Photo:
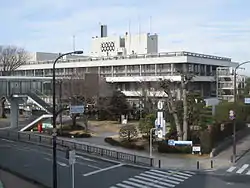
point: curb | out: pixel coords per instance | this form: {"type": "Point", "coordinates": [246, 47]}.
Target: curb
{"type": "Point", "coordinates": [242, 155]}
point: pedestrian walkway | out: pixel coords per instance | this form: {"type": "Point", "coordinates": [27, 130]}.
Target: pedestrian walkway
{"type": "Point", "coordinates": [243, 169]}
{"type": "Point", "coordinates": [156, 178]}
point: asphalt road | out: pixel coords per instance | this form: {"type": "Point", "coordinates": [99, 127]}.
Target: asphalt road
{"type": "Point", "coordinates": [35, 162]}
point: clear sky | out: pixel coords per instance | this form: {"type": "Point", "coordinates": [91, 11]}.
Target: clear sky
{"type": "Point", "coordinates": [219, 27]}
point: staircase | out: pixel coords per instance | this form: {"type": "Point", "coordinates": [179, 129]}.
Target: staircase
{"type": "Point", "coordinates": [40, 102]}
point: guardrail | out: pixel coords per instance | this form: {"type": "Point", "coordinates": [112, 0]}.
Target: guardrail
{"type": "Point", "coordinates": [91, 149]}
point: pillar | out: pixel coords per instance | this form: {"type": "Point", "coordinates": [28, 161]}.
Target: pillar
{"type": "Point", "coordinates": [14, 112]}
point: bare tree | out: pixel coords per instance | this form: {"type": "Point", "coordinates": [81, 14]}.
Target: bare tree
{"type": "Point", "coordinates": [185, 79]}
{"type": "Point", "coordinates": [172, 106]}
{"type": "Point", "coordinates": [11, 58]}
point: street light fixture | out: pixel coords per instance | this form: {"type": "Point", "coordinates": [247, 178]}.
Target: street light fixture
{"type": "Point", "coordinates": [54, 115]}
{"type": "Point", "coordinates": [235, 98]}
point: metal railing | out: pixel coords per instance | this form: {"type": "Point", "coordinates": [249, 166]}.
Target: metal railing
{"type": "Point", "coordinates": [90, 149]}
{"type": "Point", "coordinates": [136, 56]}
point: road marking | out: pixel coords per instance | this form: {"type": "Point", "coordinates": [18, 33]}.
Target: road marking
{"type": "Point", "coordinates": [134, 184]}
{"type": "Point", "coordinates": [58, 162]}
{"type": "Point", "coordinates": [124, 186]}
{"type": "Point", "coordinates": [248, 173]}
{"type": "Point", "coordinates": [244, 167]}
{"type": "Point", "coordinates": [103, 169]}
{"type": "Point", "coordinates": [231, 169]}
{"type": "Point", "coordinates": [159, 181]}
{"type": "Point", "coordinates": [86, 159]}
{"type": "Point", "coordinates": [11, 141]}
{"type": "Point", "coordinates": [164, 178]}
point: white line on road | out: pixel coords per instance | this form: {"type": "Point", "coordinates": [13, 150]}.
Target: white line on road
{"type": "Point", "coordinates": [103, 169]}
{"type": "Point", "coordinates": [58, 162]}
{"type": "Point", "coordinates": [231, 169]}
{"type": "Point", "coordinates": [248, 173]}
{"type": "Point", "coordinates": [244, 167]}
{"type": "Point", "coordinates": [84, 158]}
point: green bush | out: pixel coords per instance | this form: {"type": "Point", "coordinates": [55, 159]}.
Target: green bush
{"type": "Point", "coordinates": [163, 147]}
{"type": "Point", "coordinates": [205, 142]}
{"type": "Point", "coordinates": [125, 144]}
{"type": "Point", "coordinates": [147, 123]}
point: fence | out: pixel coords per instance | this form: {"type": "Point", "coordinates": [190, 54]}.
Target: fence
{"type": "Point", "coordinates": [91, 149]}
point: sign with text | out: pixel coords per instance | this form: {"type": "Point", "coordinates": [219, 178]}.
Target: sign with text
{"type": "Point", "coordinates": [76, 109]}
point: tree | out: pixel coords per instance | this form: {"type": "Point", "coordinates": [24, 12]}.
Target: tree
{"type": "Point", "coordinates": [128, 132]}
{"type": "Point", "coordinates": [185, 79]}
{"type": "Point", "coordinates": [172, 105]}
{"type": "Point", "coordinates": [11, 58]}
{"type": "Point", "coordinates": [147, 123]}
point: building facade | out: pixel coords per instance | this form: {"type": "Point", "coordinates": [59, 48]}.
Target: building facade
{"type": "Point", "coordinates": [225, 83]}
{"type": "Point", "coordinates": [133, 64]}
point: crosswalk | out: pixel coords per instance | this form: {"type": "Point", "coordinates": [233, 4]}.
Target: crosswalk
{"type": "Point", "coordinates": [243, 169]}
{"type": "Point", "coordinates": [155, 179]}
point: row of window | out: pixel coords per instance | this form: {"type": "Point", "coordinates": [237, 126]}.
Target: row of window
{"type": "Point", "coordinates": [129, 70]}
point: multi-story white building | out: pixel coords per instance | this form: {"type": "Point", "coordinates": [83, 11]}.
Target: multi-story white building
{"type": "Point", "coordinates": [225, 83]}
{"type": "Point", "coordinates": [131, 62]}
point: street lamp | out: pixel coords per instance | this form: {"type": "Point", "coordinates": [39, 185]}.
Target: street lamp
{"type": "Point", "coordinates": [54, 116]}
{"type": "Point", "coordinates": [235, 98]}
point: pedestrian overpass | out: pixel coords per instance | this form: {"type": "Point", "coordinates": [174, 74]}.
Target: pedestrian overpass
{"type": "Point", "coordinates": [17, 90]}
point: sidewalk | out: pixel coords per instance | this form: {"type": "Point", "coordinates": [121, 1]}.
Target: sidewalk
{"type": "Point", "coordinates": [242, 147]}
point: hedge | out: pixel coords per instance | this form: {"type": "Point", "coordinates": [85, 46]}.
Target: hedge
{"type": "Point", "coordinates": [76, 135]}
{"type": "Point", "coordinates": [125, 144]}
{"type": "Point", "coordinates": [163, 147]}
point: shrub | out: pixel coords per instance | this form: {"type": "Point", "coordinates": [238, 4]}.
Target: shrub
{"type": "Point", "coordinates": [76, 134]}
{"type": "Point", "coordinates": [125, 144]}
{"type": "Point", "coordinates": [128, 132]}
{"type": "Point", "coordinates": [163, 147]}
{"type": "Point", "coordinates": [147, 123]}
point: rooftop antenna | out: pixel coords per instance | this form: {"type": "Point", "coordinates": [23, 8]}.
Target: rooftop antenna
{"type": "Point", "coordinates": [74, 43]}
{"type": "Point", "coordinates": [139, 29]}
{"type": "Point", "coordinates": [129, 35]}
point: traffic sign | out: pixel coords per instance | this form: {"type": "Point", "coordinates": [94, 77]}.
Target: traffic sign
{"type": "Point", "coordinates": [72, 157]}
{"type": "Point", "coordinates": [160, 105]}
{"type": "Point", "coordinates": [231, 115]}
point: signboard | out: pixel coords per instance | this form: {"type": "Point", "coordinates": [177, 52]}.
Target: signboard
{"type": "Point", "coordinates": [247, 100]}
{"type": "Point", "coordinates": [196, 149]}
{"type": "Point", "coordinates": [47, 126]}
{"type": "Point", "coordinates": [72, 157]}
{"type": "Point", "coordinates": [77, 109]}
{"type": "Point", "coordinates": [180, 143]}
{"type": "Point", "coordinates": [231, 115]}
{"type": "Point", "coordinates": [171, 142]}
{"type": "Point", "coordinates": [160, 105]}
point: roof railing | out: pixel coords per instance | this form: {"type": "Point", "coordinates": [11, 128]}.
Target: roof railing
{"type": "Point", "coordinates": [135, 56]}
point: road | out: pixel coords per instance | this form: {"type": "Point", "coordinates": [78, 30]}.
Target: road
{"type": "Point", "coordinates": [35, 162]}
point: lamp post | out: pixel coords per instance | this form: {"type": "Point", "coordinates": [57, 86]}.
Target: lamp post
{"type": "Point", "coordinates": [235, 103]}
{"type": "Point", "coordinates": [54, 116]}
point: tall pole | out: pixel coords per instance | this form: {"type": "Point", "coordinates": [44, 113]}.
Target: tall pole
{"type": "Point", "coordinates": [54, 166]}
{"type": "Point", "coordinates": [234, 121]}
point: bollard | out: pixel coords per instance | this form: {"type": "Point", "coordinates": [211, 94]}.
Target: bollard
{"type": "Point", "coordinates": [198, 165]}
{"type": "Point", "coordinates": [212, 164]}
{"type": "Point", "coordinates": [159, 163]}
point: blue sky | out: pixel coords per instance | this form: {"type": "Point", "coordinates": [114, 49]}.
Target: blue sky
{"type": "Point", "coordinates": [220, 27]}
